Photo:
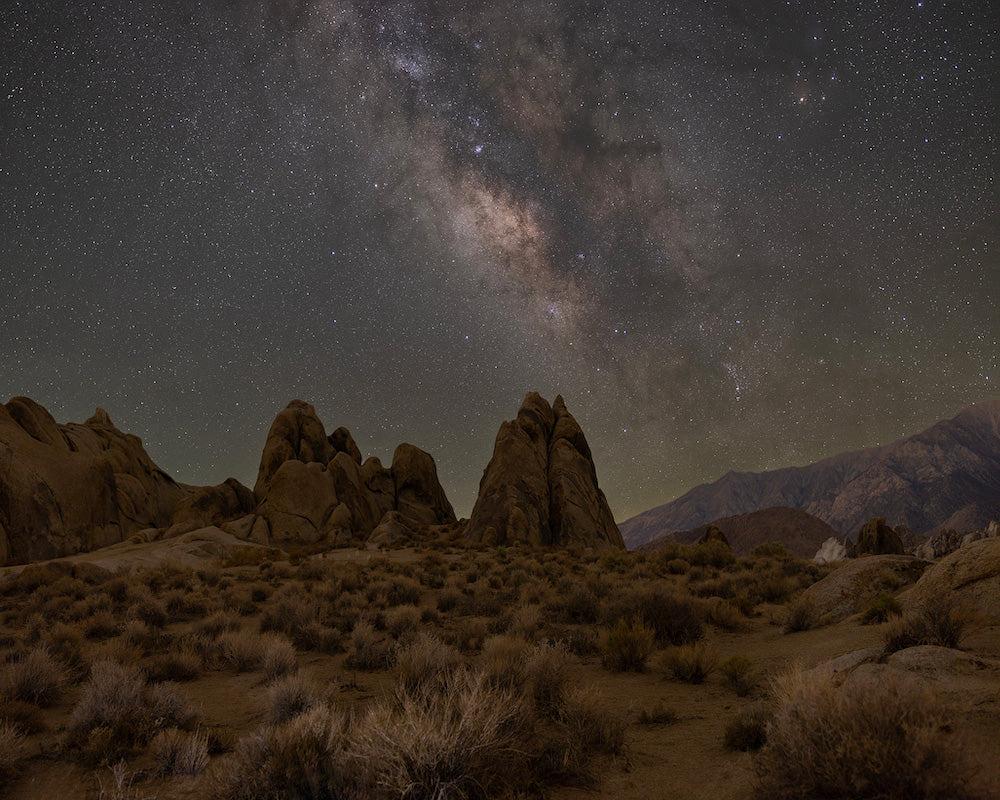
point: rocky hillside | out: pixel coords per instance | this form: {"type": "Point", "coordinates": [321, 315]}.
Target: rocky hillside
{"type": "Point", "coordinates": [948, 476]}
{"type": "Point", "coordinates": [540, 486]}
{"type": "Point", "coordinates": [799, 531]}
{"type": "Point", "coordinates": [68, 488]}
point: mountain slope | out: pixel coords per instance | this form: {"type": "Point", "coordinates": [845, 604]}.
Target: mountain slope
{"type": "Point", "coordinates": [947, 475]}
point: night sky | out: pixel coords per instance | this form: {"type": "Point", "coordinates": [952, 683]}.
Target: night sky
{"type": "Point", "coordinates": [734, 235]}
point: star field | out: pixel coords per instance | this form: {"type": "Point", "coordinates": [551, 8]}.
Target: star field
{"type": "Point", "coordinates": [732, 235]}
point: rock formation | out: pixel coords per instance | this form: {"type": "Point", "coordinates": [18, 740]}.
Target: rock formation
{"type": "Point", "coordinates": [314, 488]}
{"type": "Point", "coordinates": [970, 576]}
{"type": "Point", "coordinates": [70, 488]}
{"type": "Point", "coordinates": [850, 588]}
{"type": "Point", "coordinates": [878, 539]}
{"type": "Point", "coordinates": [540, 486]}
{"type": "Point", "coordinates": [948, 476]}
{"type": "Point", "coordinates": [833, 549]}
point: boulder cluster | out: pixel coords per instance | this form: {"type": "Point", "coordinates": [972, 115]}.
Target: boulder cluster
{"type": "Point", "coordinates": [71, 488]}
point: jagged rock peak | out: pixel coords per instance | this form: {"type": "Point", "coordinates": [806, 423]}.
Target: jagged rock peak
{"type": "Point", "coordinates": [540, 487]}
{"type": "Point", "coordinates": [295, 435]}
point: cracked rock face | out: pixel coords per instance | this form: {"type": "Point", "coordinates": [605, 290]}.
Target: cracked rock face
{"type": "Point", "coordinates": [314, 488]}
{"type": "Point", "coordinates": [71, 488]}
{"type": "Point", "coordinates": [540, 487]}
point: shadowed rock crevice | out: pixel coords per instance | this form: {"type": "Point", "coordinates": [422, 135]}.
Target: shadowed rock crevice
{"type": "Point", "coordinates": [540, 487]}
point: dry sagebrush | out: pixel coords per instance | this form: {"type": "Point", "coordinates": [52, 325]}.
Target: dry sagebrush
{"type": "Point", "coordinates": [884, 736]}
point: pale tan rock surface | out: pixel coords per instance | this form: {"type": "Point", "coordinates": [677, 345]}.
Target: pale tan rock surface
{"type": "Point", "coordinates": [970, 576]}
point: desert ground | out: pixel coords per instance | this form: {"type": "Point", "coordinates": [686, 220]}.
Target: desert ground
{"type": "Point", "coordinates": [222, 670]}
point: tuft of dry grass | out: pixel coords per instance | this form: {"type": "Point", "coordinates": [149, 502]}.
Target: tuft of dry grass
{"type": "Point", "coordinates": [658, 714]}
{"type": "Point", "coordinates": [938, 621]}
{"type": "Point", "coordinates": [277, 657]}
{"type": "Point", "coordinates": [425, 663]}
{"type": "Point", "coordinates": [802, 615]}
{"type": "Point", "coordinates": [465, 740]}
{"type": "Point", "coordinates": [180, 753]}
{"type": "Point", "coordinates": [877, 736]}
{"type": "Point", "coordinates": [627, 646]}
{"type": "Point", "coordinates": [368, 651]}
{"type": "Point", "coordinates": [291, 696]}
{"type": "Point", "coordinates": [13, 752]}
{"type": "Point", "coordinates": [747, 731]}
{"type": "Point", "coordinates": [36, 677]}
{"type": "Point", "coordinates": [305, 757]}
{"type": "Point", "coordinates": [546, 669]}
{"type": "Point", "coordinates": [739, 672]}
{"type": "Point", "coordinates": [691, 663]}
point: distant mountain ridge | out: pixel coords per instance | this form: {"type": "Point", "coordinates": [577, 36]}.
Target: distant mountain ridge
{"type": "Point", "coordinates": [945, 476]}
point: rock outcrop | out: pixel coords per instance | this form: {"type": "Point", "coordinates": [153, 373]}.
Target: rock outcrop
{"type": "Point", "coordinates": [878, 539]}
{"type": "Point", "coordinates": [540, 487]}
{"type": "Point", "coordinates": [948, 476]}
{"type": "Point", "coordinates": [850, 588]}
{"type": "Point", "coordinates": [833, 549]}
{"type": "Point", "coordinates": [970, 576]}
{"type": "Point", "coordinates": [71, 488]}
{"type": "Point", "coordinates": [314, 488]}
{"type": "Point", "coordinates": [213, 505]}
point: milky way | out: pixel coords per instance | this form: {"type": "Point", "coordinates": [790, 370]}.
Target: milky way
{"type": "Point", "coordinates": [734, 235]}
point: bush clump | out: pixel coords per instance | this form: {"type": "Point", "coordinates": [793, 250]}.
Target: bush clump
{"type": "Point", "coordinates": [691, 663]}
{"type": "Point", "coordinates": [881, 608]}
{"type": "Point", "coordinates": [627, 646]}
{"type": "Point", "coordinates": [883, 736]}
{"type": "Point", "coordinates": [938, 622]}
{"type": "Point", "coordinates": [36, 677]}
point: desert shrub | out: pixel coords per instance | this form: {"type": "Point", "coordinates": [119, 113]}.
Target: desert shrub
{"type": "Point", "coordinates": [627, 646]}
{"type": "Point", "coordinates": [883, 606]}
{"type": "Point", "coordinates": [402, 620]}
{"type": "Point", "coordinates": [711, 554]}
{"type": "Point", "coordinates": [877, 736]}
{"type": "Point", "coordinates": [447, 600]}
{"type": "Point", "coordinates": [525, 622]}
{"type": "Point", "coordinates": [291, 696]}
{"type": "Point", "coordinates": [425, 663]}
{"type": "Point", "coordinates": [368, 650]}
{"type": "Point", "coordinates": [468, 636]}
{"type": "Point", "coordinates": [174, 665]}
{"type": "Point", "coordinates": [319, 638]}
{"type": "Point", "coordinates": [596, 729]}
{"type": "Point", "coordinates": [725, 616]}
{"type": "Point", "coordinates": [802, 615]}
{"type": "Point", "coordinates": [183, 604]}
{"type": "Point", "coordinates": [150, 610]}
{"type": "Point", "coordinates": [139, 635]}
{"type": "Point", "coordinates": [678, 566]}
{"type": "Point", "coordinates": [583, 641]}
{"type": "Point", "coordinates": [748, 729]}
{"type": "Point", "coordinates": [168, 707]}
{"type": "Point", "coordinates": [101, 625]}
{"type": "Point", "coordinates": [503, 661]}
{"type": "Point", "coordinates": [180, 753]}
{"type": "Point", "coordinates": [278, 657]}
{"type": "Point", "coordinates": [546, 672]}
{"type": "Point", "coordinates": [773, 586]}
{"type": "Point", "coordinates": [288, 614]}
{"type": "Point", "coordinates": [578, 605]}
{"type": "Point", "coordinates": [240, 650]}
{"type": "Point", "coordinates": [738, 671]}
{"type": "Point", "coordinates": [112, 715]}
{"type": "Point", "coordinates": [673, 618]}
{"type": "Point", "coordinates": [403, 591]}
{"type": "Point", "coordinates": [65, 644]}
{"type": "Point", "coordinates": [938, 621]}
{"type": "Point", "coordinates": [658, 714]}
{"type": "Point", "coordinates": [13, 752]}
{"type": "Point", "coordinates": [691, 663]}
{"type": "Point", "coordinates": [35, 677]}
{"type": "Point", "coordinates": [305, 758]}
{"type": "Point", "coordinates": [217, 623]}
{"type": "Point", "coordinates": [26, 716]}
{"type": "Point", "coordinates": [464, 741]}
